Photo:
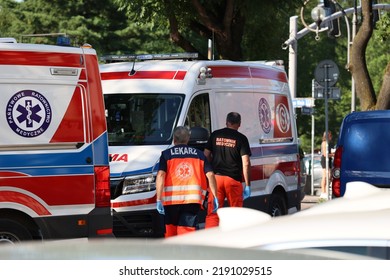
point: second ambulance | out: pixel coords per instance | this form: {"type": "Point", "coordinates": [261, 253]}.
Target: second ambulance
{"type": "Point", "coordinates": [148, 96]}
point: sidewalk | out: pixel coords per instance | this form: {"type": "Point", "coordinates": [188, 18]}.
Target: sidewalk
{"type": "Point", "coordinates": [310, 199]}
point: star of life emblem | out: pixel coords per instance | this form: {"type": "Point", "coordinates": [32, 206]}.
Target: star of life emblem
{"type": "Point", "coordinates": [28, 113]}
{"type": "Point", "coordinates": [265, 115]}
{"type": "Point", "coordinates": [184, 171]}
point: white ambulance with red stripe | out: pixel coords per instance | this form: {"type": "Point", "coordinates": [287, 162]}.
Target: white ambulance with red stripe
{"type": "Point", "coordinates": [149, 95]}
{"type": "Point", "coordinates": [54, 164]}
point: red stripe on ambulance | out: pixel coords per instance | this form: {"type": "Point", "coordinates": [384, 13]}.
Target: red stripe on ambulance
{"type": "Point", "coordinates": [247, 72]}
{"type": "Point", "coordinates": [61, 192]}
{"type": "Point", "coordinates": [23, 199]}
{"type": "Point", "coordinates": [41, 59]}
{"type": "Point", "coordinates": [159, 75]}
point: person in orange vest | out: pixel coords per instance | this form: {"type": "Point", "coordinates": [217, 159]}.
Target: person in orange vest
{"type": "Point", "coordinates": [229, 153]}
{"type": "Point", "coordinates": [182, 180]}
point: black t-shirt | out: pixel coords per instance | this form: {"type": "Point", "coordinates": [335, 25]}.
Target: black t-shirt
{"type": "Point", "coordinates": [227, 147]}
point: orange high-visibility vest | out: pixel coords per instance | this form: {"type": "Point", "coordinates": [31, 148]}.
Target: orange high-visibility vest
{"type": "Point", "coordinates": [185, 181]}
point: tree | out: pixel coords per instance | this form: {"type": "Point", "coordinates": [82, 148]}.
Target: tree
{"type": "Point", "coordinates": [358, 65]}
{"type": "Point", "coordinates": [376, 57]}
{"type": "Point", "coordinates": [242, 30]}
{"type": "Point", "coordinates": [231, 23]}
{"type": "Point", "coordinates": [98, 23]}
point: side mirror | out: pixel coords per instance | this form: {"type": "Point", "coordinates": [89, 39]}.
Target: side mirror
{"type": "Point", "coordinates": [199, 137]}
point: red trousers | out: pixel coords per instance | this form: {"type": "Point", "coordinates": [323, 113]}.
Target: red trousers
{"type": "Point", "coordinates": [227, 188]}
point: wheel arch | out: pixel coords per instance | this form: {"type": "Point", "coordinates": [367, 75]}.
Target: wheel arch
{"type": "Point", "coordinates": [278, 200]}
{"type": "Point", "coordinates": [23, 219]}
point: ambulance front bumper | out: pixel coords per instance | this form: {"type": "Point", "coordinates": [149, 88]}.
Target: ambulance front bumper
{"type": "Point", "coordinates": [146, 223]}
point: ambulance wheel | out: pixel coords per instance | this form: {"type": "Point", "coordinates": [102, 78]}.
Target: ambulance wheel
{"type": "Point", "coordinates": [277, 205]}
{"type": "Point", "coordinates": [12, 232]}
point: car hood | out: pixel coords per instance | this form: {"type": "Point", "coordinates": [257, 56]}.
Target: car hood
{"type": "Point", "coordinates": [136, 249]}
{"type": "Point", "coordinates": [332, 222]}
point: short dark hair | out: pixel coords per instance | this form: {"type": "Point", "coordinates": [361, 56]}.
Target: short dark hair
{"type": "Point", "coordinates": [233, 118]}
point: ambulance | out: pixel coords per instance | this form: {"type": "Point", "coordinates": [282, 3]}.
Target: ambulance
{"type": "Point", "coordinates": [54, 163]}
{"type": "Point", "coordinates": [147, 96]}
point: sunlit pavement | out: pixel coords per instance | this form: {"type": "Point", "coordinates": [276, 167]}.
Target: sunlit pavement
{"type": "Point", "coordinates": [309, 201]}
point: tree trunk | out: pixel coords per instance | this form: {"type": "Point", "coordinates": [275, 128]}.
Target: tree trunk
{"type": "Point", "coordinates": [358, 66]}
{"type": "Point", "coordinates": [174, 32]}
{"type": "Point", "coordinates": [384, 94]}
{"type": "Point", "coordinates": [228, 32]}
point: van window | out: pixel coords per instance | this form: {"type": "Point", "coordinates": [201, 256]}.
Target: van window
{"type": "Point", "coordinates": [367, 141]}
{"type": "Point", "coordinates": [141, 119]}
{"type": "Point", "coordinates": [199, 112]}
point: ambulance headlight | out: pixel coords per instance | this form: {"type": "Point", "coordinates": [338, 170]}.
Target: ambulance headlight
{"type": "Point", "coordinates": [138, 184]}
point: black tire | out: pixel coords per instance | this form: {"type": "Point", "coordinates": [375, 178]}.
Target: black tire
{"type": "Point", "coordinates": [12, 232]}
{"type": "Point", "coordinates": [277, 205]}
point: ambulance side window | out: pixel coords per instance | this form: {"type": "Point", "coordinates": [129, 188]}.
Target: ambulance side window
{"type": "Point", "coordinates": [199, 112]}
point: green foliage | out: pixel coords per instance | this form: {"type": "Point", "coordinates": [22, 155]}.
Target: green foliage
{"type": "Point", "coordinates": [311, 52]}
{"type": "Point", "coordinates": [265, 34]}
{"type": "Point", "coordinates": [378, 54]}
{"type": "Point", "coordinates": [7, 17]}
{"type": "Point", "coordinates": [254, 34]}
{"type": "Point", "coordinates": [383, 27]}
{"type": "Point", "coordinates": [142, 26]}
{"type": "Point", "coordinates": [98, 23]}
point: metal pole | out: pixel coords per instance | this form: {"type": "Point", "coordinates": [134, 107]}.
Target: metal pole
{"type": "Point", "coordinates": [312, 143]}
{"type": "Point", "coordinates": [292, 56]}
{"type": "Point", "coordinates": [353, 90]}
{"type": "Point", "coordinates": [209, 49]}
{"type": "Point", "coordinates": [326, 89]}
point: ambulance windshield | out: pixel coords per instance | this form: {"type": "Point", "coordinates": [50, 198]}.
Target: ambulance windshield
{"type": "Point", "coordinates": [141, 119]}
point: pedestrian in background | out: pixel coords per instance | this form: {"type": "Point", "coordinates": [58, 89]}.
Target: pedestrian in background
{"type": "Point", "coordinates": [326, 151]}
{"type": "Point", "coordinates": [182, 180]}
{"type": "Point", "coordinates": [229, 152]}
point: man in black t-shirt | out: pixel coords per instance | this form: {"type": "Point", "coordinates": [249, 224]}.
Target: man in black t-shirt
{"type": "Point", "coordinates": [228, 151]}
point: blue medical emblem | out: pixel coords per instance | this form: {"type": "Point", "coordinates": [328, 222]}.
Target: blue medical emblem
{"type": "Point", "coordinates": [28, 113]}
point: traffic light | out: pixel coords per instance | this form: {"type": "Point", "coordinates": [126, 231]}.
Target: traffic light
{"type": "Point", "coordinates": [334, 25]}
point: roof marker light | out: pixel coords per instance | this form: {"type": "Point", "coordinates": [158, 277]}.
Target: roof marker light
{"type": "Point", "coordinates": [204, 73]}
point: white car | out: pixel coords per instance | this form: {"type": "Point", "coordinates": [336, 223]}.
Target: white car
{"type": "Point", "coordinates": [358, 223]}
{"type": "Point", "coordinates": [317, 170]}
{"type": "Point", "coordinates": [352, 227]}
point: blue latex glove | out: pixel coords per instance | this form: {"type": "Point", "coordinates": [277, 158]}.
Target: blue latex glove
{"type": "Point", "coordinates": [216, 205]}
{"type": "Point", "coordinates": [160, 207]}
{"type": "Point", "coordinates": [247, 192]}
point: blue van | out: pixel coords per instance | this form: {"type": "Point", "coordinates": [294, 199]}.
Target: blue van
{"type": "Point", "coordinates": [362, 152]}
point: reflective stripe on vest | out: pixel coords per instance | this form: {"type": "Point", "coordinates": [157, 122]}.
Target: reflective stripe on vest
{"type": "Point", "coordinates": [183, 194]}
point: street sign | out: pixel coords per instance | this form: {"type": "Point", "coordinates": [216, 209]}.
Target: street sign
{"type": "Point", "coordinates": [326, 72]}
{"type": "Point", "coordinates": [333, 93]}
{"type": "Point", "coordinates": [303, 102]}
{"type": "Point", "coordinates": [307, 110]}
